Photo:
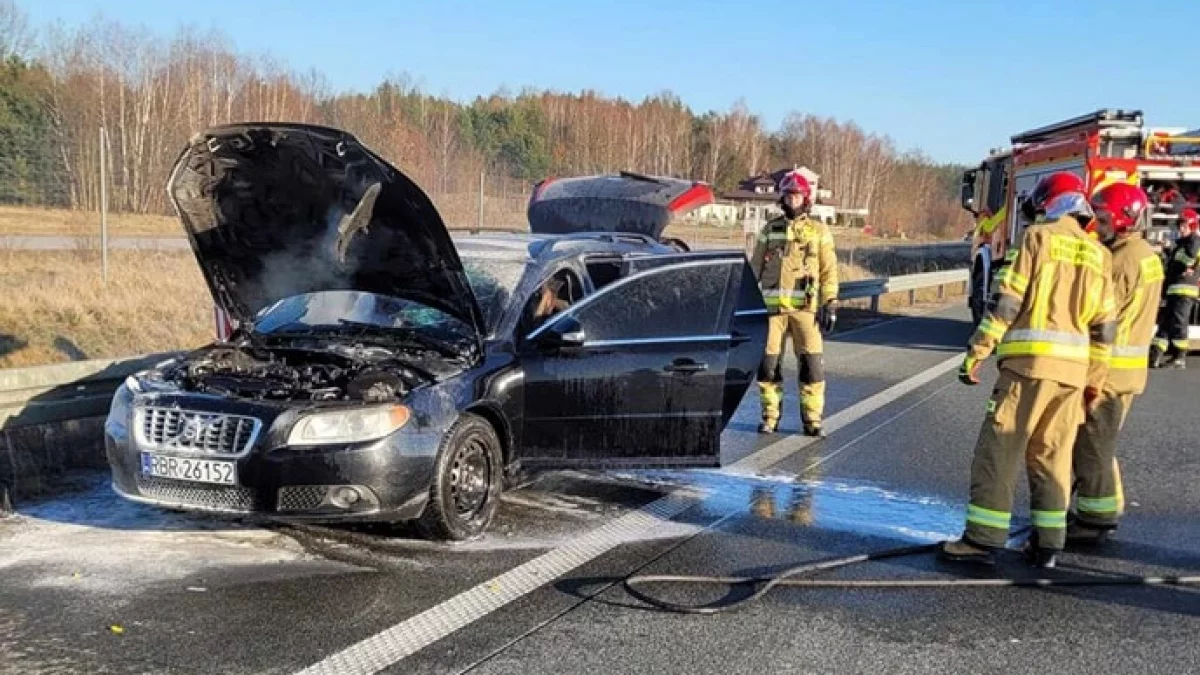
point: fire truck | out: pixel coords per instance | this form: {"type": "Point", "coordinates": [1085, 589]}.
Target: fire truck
{"type": "Point", "coordinates": [1101, 148]}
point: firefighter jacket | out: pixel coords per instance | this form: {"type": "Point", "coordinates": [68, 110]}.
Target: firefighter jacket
{"type": "Point", "coordinates": [1137, 286]}
{"type": "Point", "coordinates": [1181, 267]}
{"type": "Point", "coordinates": [1052, 316]}
{"type": "Point", "coordinates": [796, 264]}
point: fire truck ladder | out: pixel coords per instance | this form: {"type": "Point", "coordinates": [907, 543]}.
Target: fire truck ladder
{"type": "Point", "coordinates": [1106, 118]}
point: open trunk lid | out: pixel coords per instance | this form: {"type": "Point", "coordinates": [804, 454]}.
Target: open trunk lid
{"type": "Point", "coordinates": [624, 202]}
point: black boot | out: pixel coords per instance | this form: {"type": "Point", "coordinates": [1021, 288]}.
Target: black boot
{"type": "Point", "coordinates": [1087, 535]}
{"type": "Point", "coordinates": [1041, 558]}
{"type": "Point", "coordinates": [1156, 357]}
{"type": "Point", "coordinates": [963, 551]}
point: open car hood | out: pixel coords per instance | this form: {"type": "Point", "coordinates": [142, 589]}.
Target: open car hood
{"type": "Point", "coordinates": [624, 202]}
{"type": "Point", "coordinates": [276, 210]}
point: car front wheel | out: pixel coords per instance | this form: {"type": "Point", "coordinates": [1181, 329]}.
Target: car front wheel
{"type": "Point", "coordinates": [466, 484]}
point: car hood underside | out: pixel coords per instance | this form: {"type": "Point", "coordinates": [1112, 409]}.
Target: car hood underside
{"type": "Point", "coordinates": [279, 210]}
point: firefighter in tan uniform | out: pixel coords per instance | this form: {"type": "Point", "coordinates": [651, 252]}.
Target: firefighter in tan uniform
{"type": "Point", "coordinates": [796, 266]}
{"type": "Point", "coordinates": [1051, 323]}
{"type": "Point", "coordinates": [1137, 284]}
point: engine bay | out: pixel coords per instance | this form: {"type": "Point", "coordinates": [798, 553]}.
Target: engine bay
{"type": "Point", "coordinates": [367, 374]}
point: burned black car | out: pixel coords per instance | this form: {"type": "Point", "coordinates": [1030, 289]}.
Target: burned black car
{"type": "Point", "coordinates": [380, 370]}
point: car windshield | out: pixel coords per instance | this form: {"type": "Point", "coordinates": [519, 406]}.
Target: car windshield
{"type": "Point", "coordinates": [494, 280]}
{"type": "Point", "coordinates": [355, 310]}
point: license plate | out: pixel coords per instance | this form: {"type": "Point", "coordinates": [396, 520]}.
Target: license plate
{"type": "Point", "coordinates": [195, 470]}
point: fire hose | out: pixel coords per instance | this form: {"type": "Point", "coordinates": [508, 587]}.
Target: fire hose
{"type": "Point", "coordinates": [788, 578]}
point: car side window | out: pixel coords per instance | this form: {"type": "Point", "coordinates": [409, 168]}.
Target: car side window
{"type": "Point", "coordinates": [552, 297]}
{"type": "Point", "coordinates": [604, 271]}
{"type": "Point", "coordinates": [675, 301]}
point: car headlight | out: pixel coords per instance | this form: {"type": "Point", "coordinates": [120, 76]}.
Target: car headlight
{"type": "Point", "coordinates": [348, 426]}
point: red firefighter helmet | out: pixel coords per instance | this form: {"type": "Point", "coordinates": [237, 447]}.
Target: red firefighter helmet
{"type": "Point", "coordinates": [795, 182]}
{"type": "Point", "coordinates": [1189, 218]}
{"type": "Point", "coordinates": [1057, 195]}
{"type": "Point", "coordinates": [1120, 206]}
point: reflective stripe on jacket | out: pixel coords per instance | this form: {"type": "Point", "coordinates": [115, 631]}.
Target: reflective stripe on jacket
{"type": "Point", "coordinates": [1182, 278]}
{"type": "Point", "coordinates": [1137, 285]}
{"type": "Point", "coordinates": [796, 264]}
{"type": "Point", "coordinates": [1053, 315]}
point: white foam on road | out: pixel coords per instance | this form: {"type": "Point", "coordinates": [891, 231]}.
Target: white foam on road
{"type": "Point", "coordinates": [96, 542]}
{"type": "Point", "coordinates": [392, 645]}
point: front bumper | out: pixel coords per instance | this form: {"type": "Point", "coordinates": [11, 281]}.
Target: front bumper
{"type": "Point", "coordinates": [390, 477]}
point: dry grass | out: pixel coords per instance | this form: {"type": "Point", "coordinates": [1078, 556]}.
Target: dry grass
{"type": "Point", "coordinates": [56, 307]}
{"type": "Point", "coordinates": [458, 211]}
{"type": "Point", "coordinates": [25, 220]}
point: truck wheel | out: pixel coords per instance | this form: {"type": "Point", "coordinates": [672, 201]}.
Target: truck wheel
{"type": "Point", "coordinates": [467, 481]}
{"type": "Point", "coordinates": [976, 301]}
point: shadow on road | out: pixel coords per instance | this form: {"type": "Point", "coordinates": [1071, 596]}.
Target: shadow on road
{"type": "Point", "coordinates": [929, 333]}
{"type": "Point", "coordinates": [754, 539]}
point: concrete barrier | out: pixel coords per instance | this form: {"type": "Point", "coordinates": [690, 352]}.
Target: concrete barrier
{"type": "Point", "coordinates": [52, 419]}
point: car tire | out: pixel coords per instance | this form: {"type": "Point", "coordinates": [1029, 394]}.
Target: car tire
{"type": "Point", "coordinates": [467, 481]}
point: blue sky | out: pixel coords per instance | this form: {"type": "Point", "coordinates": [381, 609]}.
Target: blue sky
{"type": "Point", "coordinates": [929, 74]}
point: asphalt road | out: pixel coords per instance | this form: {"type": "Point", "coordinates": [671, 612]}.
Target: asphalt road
{"type": "Point", "coordinates": [92, 584]}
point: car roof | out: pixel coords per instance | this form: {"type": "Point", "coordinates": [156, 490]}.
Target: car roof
{"type": "Point", "coordinates": [546, 249]}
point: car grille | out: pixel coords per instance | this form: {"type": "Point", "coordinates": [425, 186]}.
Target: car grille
{"type": "Point", "coordinates": [301, 497]}
{"type": "Point", "coordinates": [191, 431]}
{"type": "Point", "coordinates": [177, 493]}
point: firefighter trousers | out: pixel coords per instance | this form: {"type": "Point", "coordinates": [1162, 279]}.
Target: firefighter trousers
{"type": "Point", "coordinates": [1173, 322]}
{"type": "Point", "coordinates": [1099, 499]}
{"type": "Point", "coordinates": [801, 326]}
{"type": "Point", "coordinates": [1035, 421]}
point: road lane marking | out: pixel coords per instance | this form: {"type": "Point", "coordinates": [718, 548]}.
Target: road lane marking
{"type": "Point", "coordinates": [390, 646]}
{"type": "Point", "coordinates": [783, 448]}
{"type": "Point", "coordinates": [869, 432]}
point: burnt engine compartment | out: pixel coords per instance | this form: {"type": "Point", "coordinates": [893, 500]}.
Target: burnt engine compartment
{"type": "Point", "coordinates": [257, 373]}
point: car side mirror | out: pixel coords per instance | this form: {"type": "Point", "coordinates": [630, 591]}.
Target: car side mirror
{"type": "Point", "coordinates": [564, 333]}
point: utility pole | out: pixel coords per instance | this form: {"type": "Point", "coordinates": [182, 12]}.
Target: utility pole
{"type": "Point", "coordinates": [103, 205]}
{"type": "Point", "coordinates": [479, 222]}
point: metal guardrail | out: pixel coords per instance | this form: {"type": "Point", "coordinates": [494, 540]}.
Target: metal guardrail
{"type": "Point", "coordinates": [55, 393]}
{"type": "Point", "coordinates": [874, 288]}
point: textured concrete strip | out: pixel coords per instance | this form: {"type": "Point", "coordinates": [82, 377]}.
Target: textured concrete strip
{"type": "Point", "coordinates": [407, 637]}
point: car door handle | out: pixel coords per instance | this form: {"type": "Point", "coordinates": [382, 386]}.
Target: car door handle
{"type": "Point", "coordinates": [739, 339]}
{"type": "Point", "coordinates": [686, 366]}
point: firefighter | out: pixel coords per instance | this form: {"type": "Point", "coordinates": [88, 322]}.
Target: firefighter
{"type": "Point", "coordinates": [796, 266]}
{"type": "Point", "coordinates": [1051, 323]}
{"type": "Point", "coordinates": [1137, 284]}
{"type": "Point", "coordinates": [1182, 288]}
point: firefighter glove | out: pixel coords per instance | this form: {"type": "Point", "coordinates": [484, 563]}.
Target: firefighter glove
{"type": "Point", "coordinates": [968, 373]}
{"type": "Point", "coordinates": [827, 316]}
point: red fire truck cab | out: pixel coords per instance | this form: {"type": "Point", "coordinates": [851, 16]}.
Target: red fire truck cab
{"type": "Point", "coordinates": [1101, 148]}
